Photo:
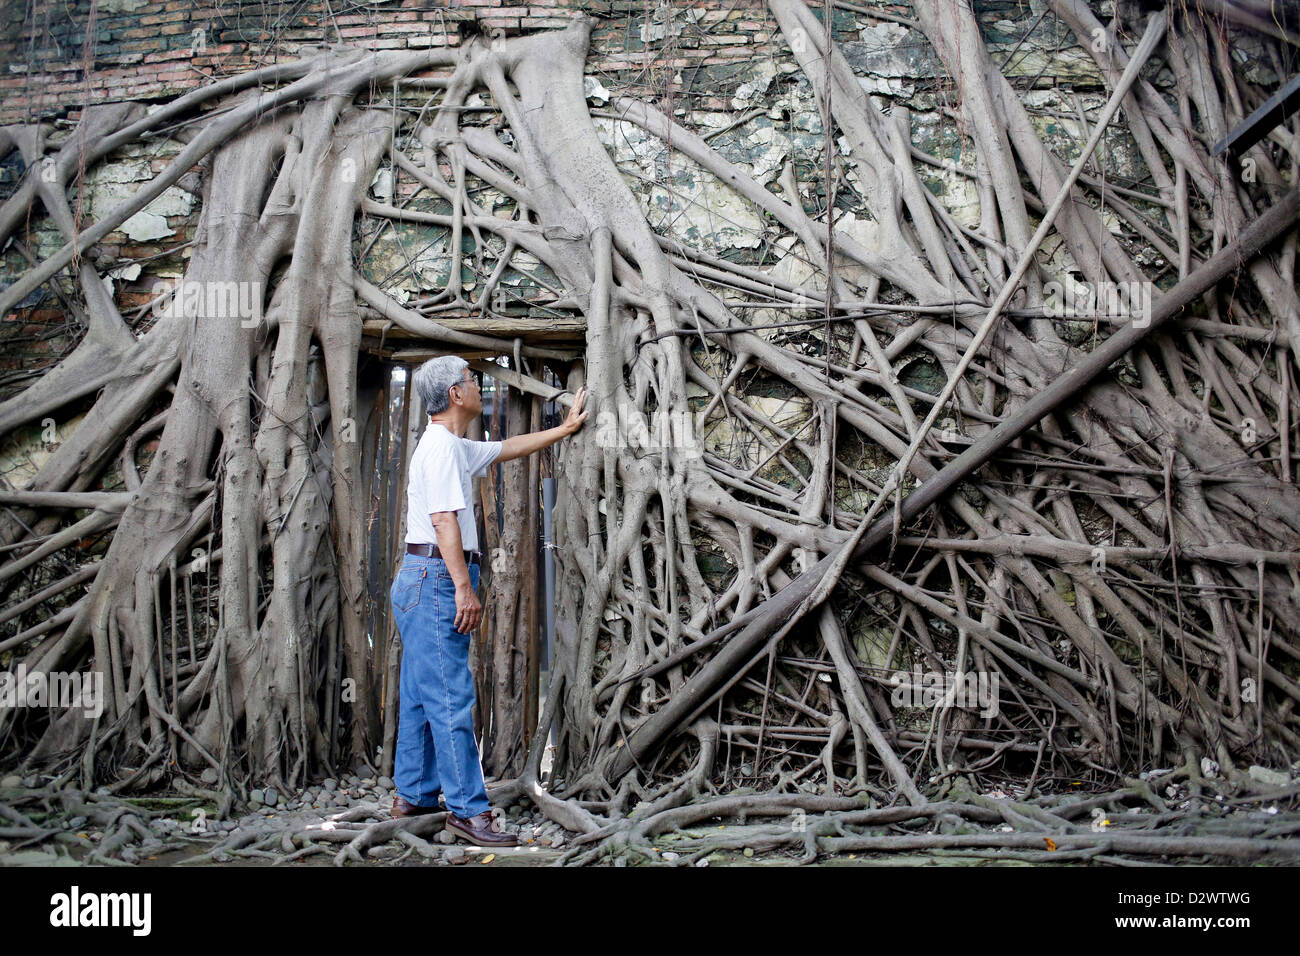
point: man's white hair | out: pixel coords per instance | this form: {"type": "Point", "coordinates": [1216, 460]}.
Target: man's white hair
{"type": "Point", "coordinates": [434, 377]}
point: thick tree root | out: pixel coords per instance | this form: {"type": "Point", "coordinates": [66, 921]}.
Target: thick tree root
{"type": "Point", "coordinates": [1122, 827]}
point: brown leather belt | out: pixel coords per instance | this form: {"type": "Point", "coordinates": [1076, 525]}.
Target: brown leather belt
{"type": "Point", "coordinates": [431, 551]}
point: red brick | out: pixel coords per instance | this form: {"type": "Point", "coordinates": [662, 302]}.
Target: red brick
{"type": "Point", "coordinates": [181, 53]}
{"type": "Point", "coordinates": [421, 40]}
{"type": "Point", "coordinates": [169, 17]}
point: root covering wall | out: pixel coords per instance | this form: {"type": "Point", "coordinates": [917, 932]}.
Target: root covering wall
{"type": "Point", "coordinates": [802, 267]}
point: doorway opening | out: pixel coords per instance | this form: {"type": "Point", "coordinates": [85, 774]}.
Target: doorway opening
{"type": "Point", "coordinates": [512, 648]}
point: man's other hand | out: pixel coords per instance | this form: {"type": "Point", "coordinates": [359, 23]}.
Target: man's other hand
{"type": "Point", "coordinates": [576, 414]}
{"type": "Point", "coordinates": [468, 610]}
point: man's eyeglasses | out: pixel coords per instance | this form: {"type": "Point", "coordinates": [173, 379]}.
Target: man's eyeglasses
{"type": "Point", "coordinates": [474, 379]}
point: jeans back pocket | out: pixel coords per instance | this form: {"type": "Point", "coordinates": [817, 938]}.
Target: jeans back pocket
{"type": "Point", "coordinates": [406, 589]}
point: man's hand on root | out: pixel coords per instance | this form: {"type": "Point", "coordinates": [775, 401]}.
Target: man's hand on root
{"type": "Point", "coordinates": [573, 421]}
{"type": "Point", "coordinates": [469, 612]}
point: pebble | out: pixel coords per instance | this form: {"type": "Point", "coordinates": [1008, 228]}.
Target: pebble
{"type": "Point", "coordinates": [1268, 777]}
{"type": "Point", "coordinates": [209, 775]}
{"type": "Point", "coordinates": [76, 823]}
{"type": "Point", "coordinates": [32, 782]}
{"type": "Point", "coordinates": [446, 837]}
{"type": "Point", "coordinates": [454, 854]}
{"type": "Point", "coordinates": [255, 798]}
{"type": "Point", "coordinates": [270, 797]}
{"type": "Point", "coordinates": [353, 780]}
{"type": "Point", "coordinates": [749, 852]}
{"type": "Point", "coordinates": [11, 781]}
{"type": "Point", "coordinates": [557, 842]}
{"type": "Point", "coordinates": [386, 783]}
{"type": "Point", "coordinates": [669, 856]}
{"type": "Point", "coordinates": [330, 785]}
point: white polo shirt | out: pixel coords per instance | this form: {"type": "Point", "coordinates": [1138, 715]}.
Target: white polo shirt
{"type": "Point", "coordinates": [440, 481]}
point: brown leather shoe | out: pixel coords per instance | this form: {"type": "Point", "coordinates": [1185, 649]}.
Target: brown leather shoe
{"type": "Point", "coordinates": [480, 829]}
{"type": "Point", "coordinates": [404, 808]}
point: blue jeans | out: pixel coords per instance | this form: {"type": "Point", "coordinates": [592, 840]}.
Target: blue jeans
{"type": "Point", "coordinates": [436, 750]}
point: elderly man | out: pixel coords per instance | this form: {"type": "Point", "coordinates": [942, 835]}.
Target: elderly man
{"type": "Point", "coordinates": [435, 606]}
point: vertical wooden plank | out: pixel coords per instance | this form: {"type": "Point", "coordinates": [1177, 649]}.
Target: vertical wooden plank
{"type": "Point", "coordinates": [486, 636]}
{"type": "Point", "coordinates": [529, 619]}
{"type": "Point", "coordinates": [402, 447]}
{"type": "Point", "coordinates": [380, 479]}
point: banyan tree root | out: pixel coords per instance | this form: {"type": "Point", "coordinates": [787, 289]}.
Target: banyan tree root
{"type": "Point", "coordinates": [1122, 579]}
{"type": "Point", "coordinates": [203, 827]}
{"type": "Point", "coordinates": [1173, 815]}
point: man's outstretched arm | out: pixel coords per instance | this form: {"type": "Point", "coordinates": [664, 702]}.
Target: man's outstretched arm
{"type": "Point", "coordinates": [520, 446]}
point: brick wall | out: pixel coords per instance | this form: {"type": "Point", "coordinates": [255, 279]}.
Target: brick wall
{"type": "Point", "coordinates": [146, 50]}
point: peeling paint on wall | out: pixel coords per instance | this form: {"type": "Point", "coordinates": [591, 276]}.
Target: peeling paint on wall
{"type": "Point", "coordinates": [26, 450]}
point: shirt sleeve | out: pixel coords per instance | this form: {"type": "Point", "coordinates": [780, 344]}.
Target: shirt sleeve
{"type": "Point", "coordinates": [479, 455]}
{"type": "Point", "coordinates": [441, 482]}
